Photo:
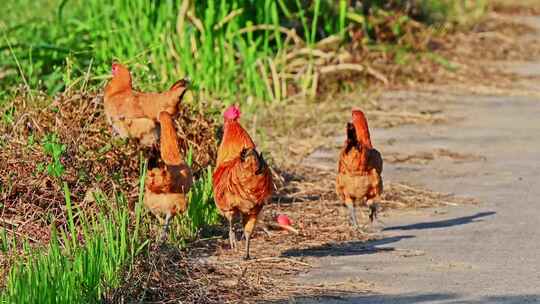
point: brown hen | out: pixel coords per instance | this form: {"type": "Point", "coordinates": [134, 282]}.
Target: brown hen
{"type": "Point", "coordinates": [359, 168]}
{"type": "Point", "coordinates": [167, 187]}
{"type": "Point", "coordinates": [134, 114]}
{"type": "Point", "coordinates": [242, 180]}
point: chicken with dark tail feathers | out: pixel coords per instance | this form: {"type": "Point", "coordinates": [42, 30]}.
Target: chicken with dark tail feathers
{"type": "Point", "coordinates": [242, 180]}
{"type": "Point", "coordinates": [359, 169]}
{"type": "Point", "coordinates": [167, 187]}
{"type": "Point", "coordinates": [134, 114]}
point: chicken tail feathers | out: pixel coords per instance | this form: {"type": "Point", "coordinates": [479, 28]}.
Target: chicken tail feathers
{"type": "Point", "coordinates": [362, 129]}
{"type": "Point", "coordinates": [170, 151]}
{"type": "Point", "coordinates": [180, 84]}
{"type": "Point", "coordinates": [251, 152]}
{"type": "Point", "coordinates": [175, 95]}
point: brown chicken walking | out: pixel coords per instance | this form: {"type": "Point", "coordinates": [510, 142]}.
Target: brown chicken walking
{"type": "Point", "coordinates": [167, 187]}
{"type": "Point", "coordinates": [134, 114]}
{"type": "Point", "coordinates": [242, 180]}
{"type": "Point", "coordinates": [359, 168]}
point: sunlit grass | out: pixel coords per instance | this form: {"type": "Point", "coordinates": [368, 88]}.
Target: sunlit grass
{"type": "Point", "coordinates": [233, 50]}
{"type": "Point", "coordinates": [79, 264]}
{"type": "Point", "coordinates": [221, 45]}
{"type": "Point", "coordinates": [84, 261]}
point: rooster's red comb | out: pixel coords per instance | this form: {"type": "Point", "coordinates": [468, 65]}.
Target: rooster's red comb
{"type": "Point", "coordinates": [232, 112]}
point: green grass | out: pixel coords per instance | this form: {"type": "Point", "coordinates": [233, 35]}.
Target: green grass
{"type": "Point", "coordinates": [229, 48]}
{"type": "Point", "coordinates": [54, 149]}
{"type": "Point", "coordinates": [78, 265]}
{"type": "Point", "coordinates": [85, 260]}
{"type": "Point", "coordinates": [201, 213]}
{"type": "Point", "coordinates": [221, 45]}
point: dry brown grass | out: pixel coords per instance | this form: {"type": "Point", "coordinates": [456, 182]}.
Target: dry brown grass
{"type": "Point", "coordinates": [33, 200]}
{"type": "Point", "coordinates": [521, 7]}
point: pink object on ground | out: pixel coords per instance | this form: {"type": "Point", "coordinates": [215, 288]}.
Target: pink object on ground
{"type": "Point", "coordinates": [283, 219]}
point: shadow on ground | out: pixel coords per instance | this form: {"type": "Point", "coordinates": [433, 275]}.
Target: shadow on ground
{"type": "Point", "coordinates": [444, 223]}
{"type": "Point", "coordinates": [442, 298]}
{"type": "Point", "coordinates": [346, 249]}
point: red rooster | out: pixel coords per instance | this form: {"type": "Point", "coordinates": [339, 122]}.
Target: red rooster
{"type": "Point", "coordinates": [242, 180]}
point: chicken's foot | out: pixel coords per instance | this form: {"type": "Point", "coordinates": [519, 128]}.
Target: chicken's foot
{"type": "Point", "coordinates": [248, 237]}
{"type": "Point", "coordinates": [352, 215]}
{"type": "Point", "coordinates": [373, 211]}
{"type": "Point", "coordinates": [232, 235]}
{"type": "Point", "coordinates": [267, 232]}
{"type": "Point", "coordinates": [165, 227]}
{"type": "Point", "coordinates": [249, 224]}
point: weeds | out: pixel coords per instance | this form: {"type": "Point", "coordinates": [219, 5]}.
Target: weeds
{"type": "Point", "coordinates": [93, 235]}
{"type": "Point", "coordinates": [92, 160]}
{"type": "Point", "coordinates": [232, 50]}
{"type": "Point", "coordinates": [76, 267]}
{"type": "Point", "coordinates": [53, 148]}
{"type": "Point", "coordinates": [83, 262]}
{"type": "Point", "coordinates": [202, 213]}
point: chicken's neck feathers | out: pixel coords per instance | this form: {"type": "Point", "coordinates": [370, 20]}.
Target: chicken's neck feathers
{"type": "Point", "coordinates": [235, 138]}
{"type": "Point", "coordinates": [170, 149]}
{"type": "Point", "coordinates": [119, 85]}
